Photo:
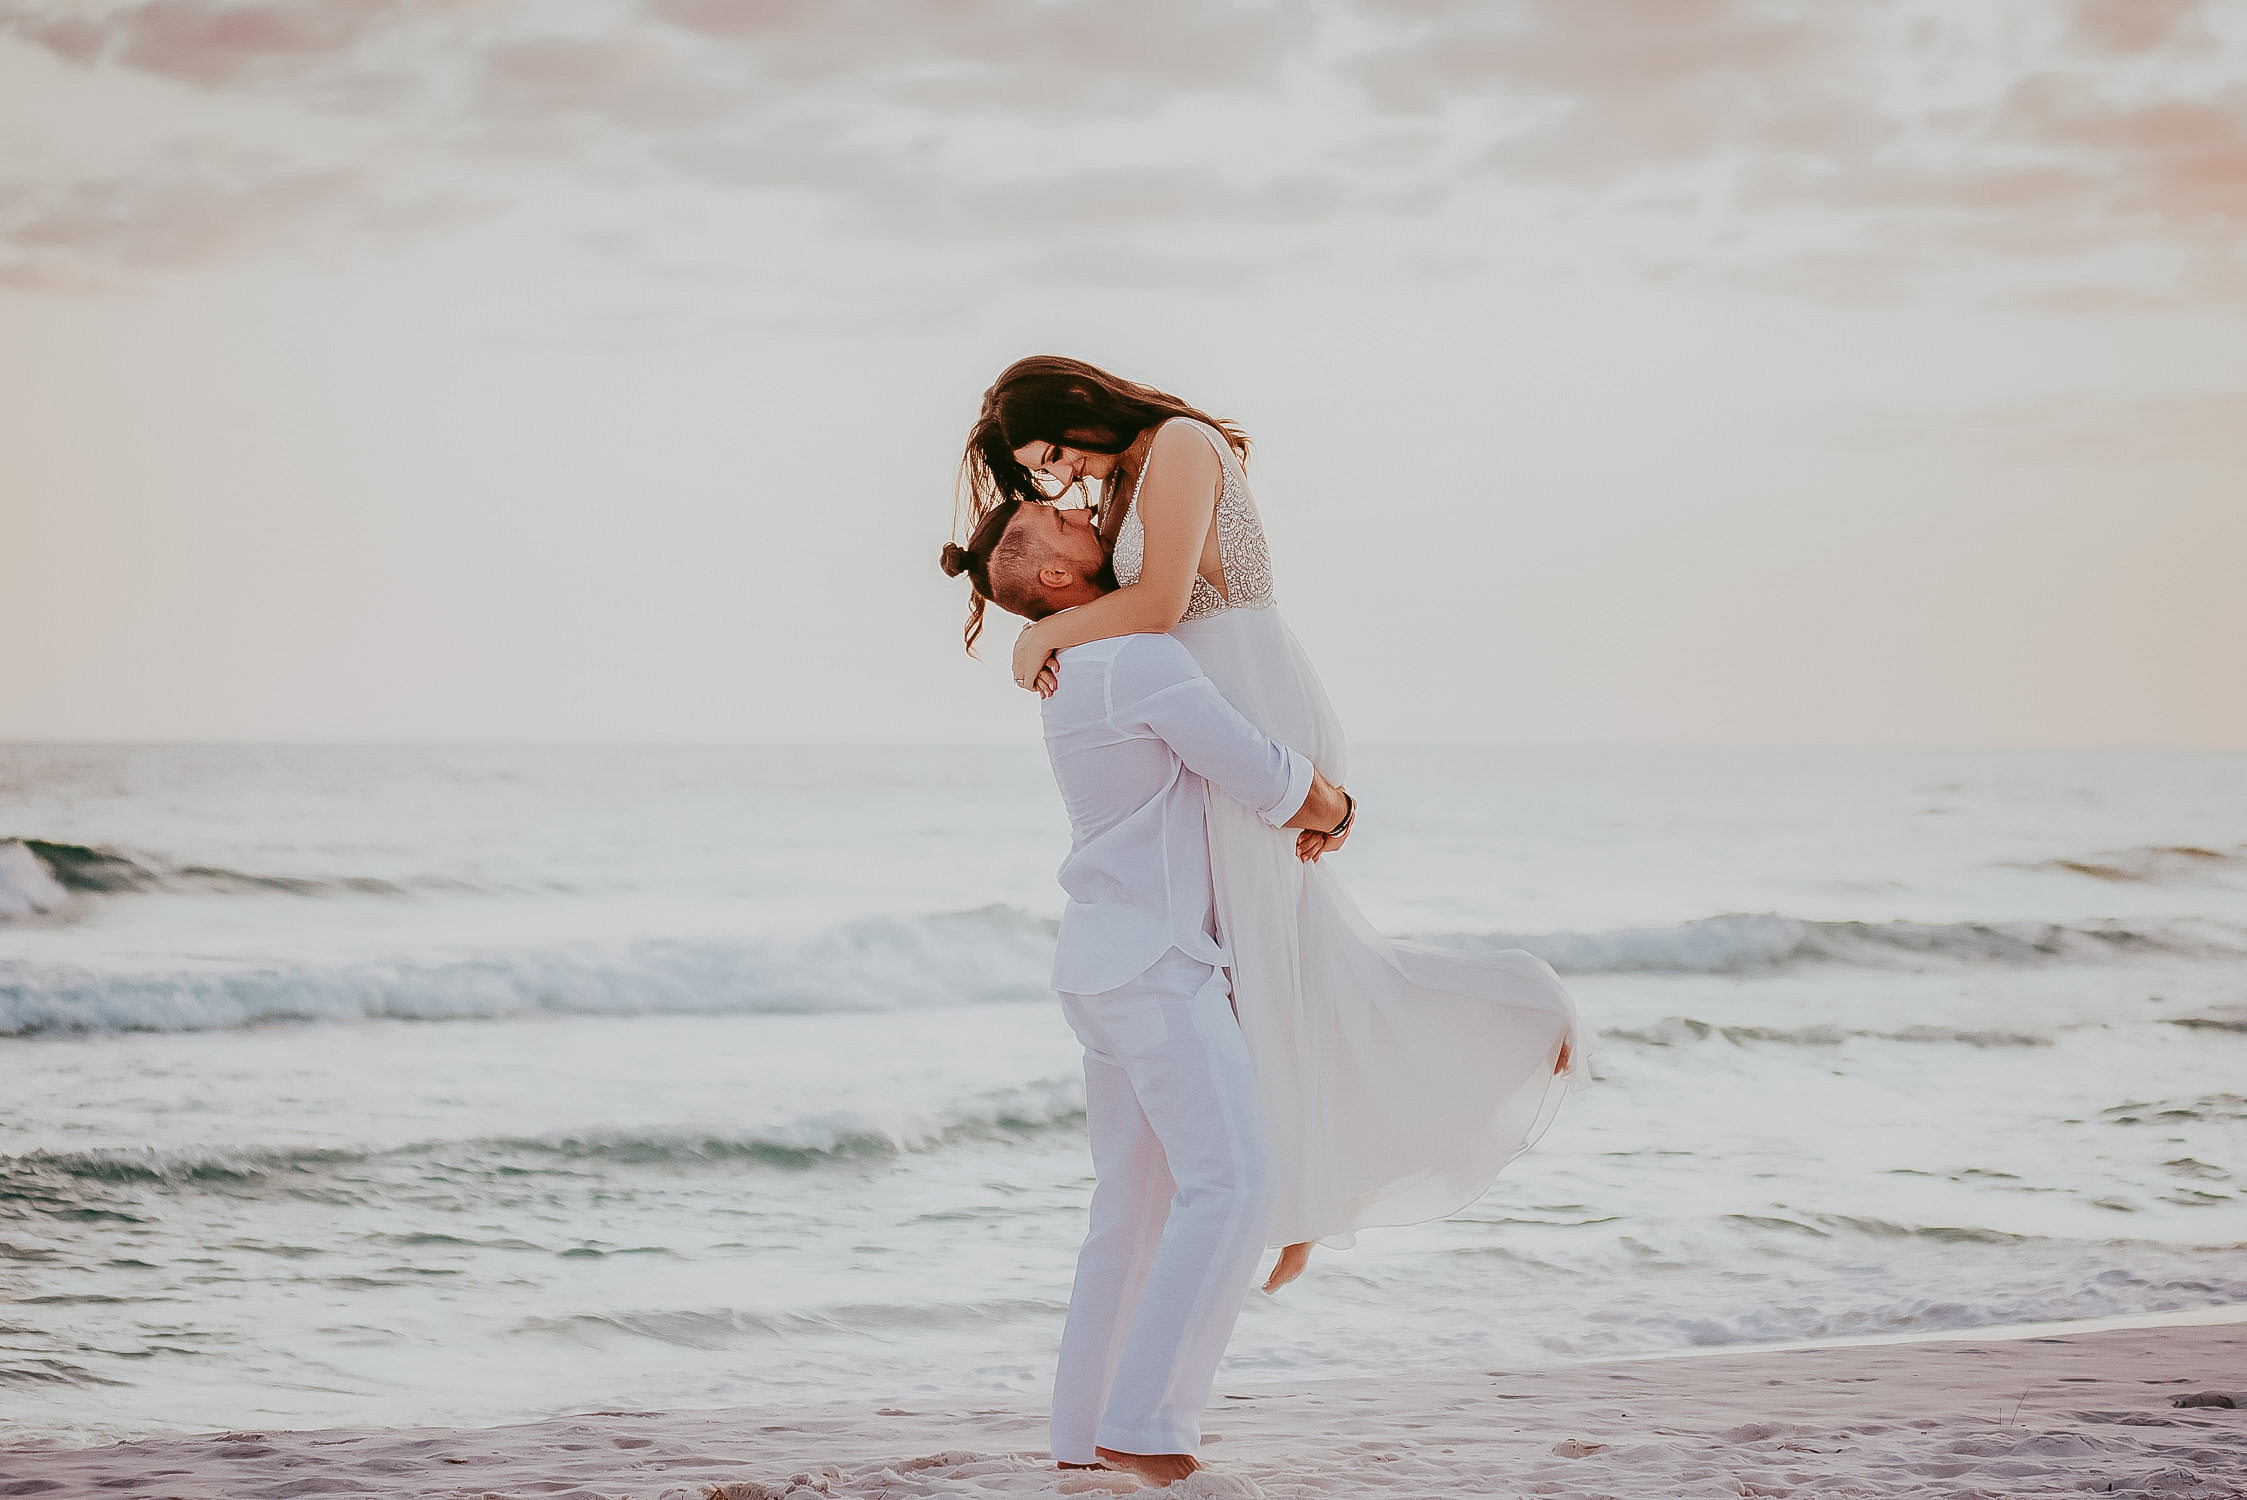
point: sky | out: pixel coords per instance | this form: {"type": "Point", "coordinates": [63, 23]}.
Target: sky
{"type": "Point", "coordinates": [1663, 372]}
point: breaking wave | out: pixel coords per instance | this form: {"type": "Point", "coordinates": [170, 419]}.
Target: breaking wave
{"type": "Point", "coordinates": [993, 954]}
{"type": "Point", "coordinates": [802, 1142]}
{"type": "Point", "coordinates": [53, 872]}
{"type": "Point", "coordinates": [1678, 1031]}
{"type": "Point", "coordinates": [876, 964]}
{"type": "Point", "coordinates": [732, 1327]}
{"type": "Point", "coordinates": [1748, 943]}
{"type": "Point", "coordinates": [27, 884]}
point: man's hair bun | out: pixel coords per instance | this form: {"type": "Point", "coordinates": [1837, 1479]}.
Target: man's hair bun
{"type": "Point", "coordinates": [975, 560]}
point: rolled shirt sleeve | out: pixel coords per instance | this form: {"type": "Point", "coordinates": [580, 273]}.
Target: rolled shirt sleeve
{"type": "Point", "coordinates": [1156, 685]}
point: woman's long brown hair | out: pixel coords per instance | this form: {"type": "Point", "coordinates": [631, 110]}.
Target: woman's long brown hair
{"type": "Point", "coordinates": [1049, 398]}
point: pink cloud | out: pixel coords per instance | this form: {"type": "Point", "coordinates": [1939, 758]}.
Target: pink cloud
{"type": "Point", "coordinates": [216, 44]}
{"type": "Point", "coordinates": [1750, 112]}
{"type": "Point", "coordinates": [170, 220]}
{"type": "Point", "coordinates": [631, 80]}
{"type": "Point", "coordinates": [1013, 54]}
{"type": "Point", "coordinates": [1755, 110]}
{"type": "Point", "coordinates": [2176, 166]}
{"type": "Point", "coordinates": [1626, 85]}
{"type": "Point", "coordinates": [2131, 27]}
{"type": "Point", "coordinates": [198, 209]}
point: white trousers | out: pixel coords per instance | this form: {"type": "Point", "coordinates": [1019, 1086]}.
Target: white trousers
{"type": "Point", "coordinates": [1178, 1217]}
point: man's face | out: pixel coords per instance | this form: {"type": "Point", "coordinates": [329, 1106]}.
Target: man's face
{"type": "Point", "coordinates": [1063, 465]}
{"type": "Point", "coordinates": [1061, 538]}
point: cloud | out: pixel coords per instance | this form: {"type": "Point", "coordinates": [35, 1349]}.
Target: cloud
{"type": "Point", "coordinates": [1616, 85]}
{"type": "Point", "coordinates": [1838, 141]}
{"type": "Point", "coordinates": [194, 209]}
{"type": "Point", "coordinates": [2168, 166]}
{"type": "Point", "coordinates": [215, 44]}
{"type": "Point", "coordinates": [957, 121]}
{"type": "Point", "coordinates": [634, 81]}
{"type": "Point", "coordinates": [77, 39]}
{"type": "Point", "coordinates": [1012, 56]}
{"type": "Point", "coordinates": [183, 216]}
{"type": "Point", "coordinates": [2129, 28]}
{"type": "Point", "coordinates": [2058, 170]}
{"type": "Point", "coordinates": [1821, 150]}
{"type": "Point", "coordinates": [1018, 57]}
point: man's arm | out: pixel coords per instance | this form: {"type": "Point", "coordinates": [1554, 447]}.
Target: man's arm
{"type": "Point", "coordinates": [1155, 685]}
{"type": "Point", "coordinates": [1325, 807]}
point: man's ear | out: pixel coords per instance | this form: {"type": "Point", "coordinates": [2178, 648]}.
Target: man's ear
{"type": "Point", "coordinates": [1054, 576]}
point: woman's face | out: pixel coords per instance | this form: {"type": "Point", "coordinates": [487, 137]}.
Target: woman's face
{"type": "Point", "coordinates": [1065, 466]}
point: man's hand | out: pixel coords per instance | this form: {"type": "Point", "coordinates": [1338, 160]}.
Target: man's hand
{"type": "Point", "coordinates": [1324, 809]}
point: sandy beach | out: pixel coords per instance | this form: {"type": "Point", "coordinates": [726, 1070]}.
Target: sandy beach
{"type": "Point", "coordinates": [2013, 1412]}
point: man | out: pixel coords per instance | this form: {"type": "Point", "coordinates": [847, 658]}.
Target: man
{"type": "Point", "coordinates": [1185, 1187]}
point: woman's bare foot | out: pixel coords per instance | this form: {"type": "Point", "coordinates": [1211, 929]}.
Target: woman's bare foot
{"type": "Point", "coordinates": [1289, 1266]}
{"type": "Point", "coordinates": [1162, 1468]}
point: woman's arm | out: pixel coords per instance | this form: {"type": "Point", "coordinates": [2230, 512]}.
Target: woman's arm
{"type": "Point", "coordinates": [1177, 498]}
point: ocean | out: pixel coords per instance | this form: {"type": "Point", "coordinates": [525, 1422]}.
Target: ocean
{"type": "Point", "coordinates": [398, 1086]}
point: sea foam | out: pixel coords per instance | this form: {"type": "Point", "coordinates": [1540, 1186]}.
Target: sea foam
{"type": "Point", "coordinates": [26, 884]}
{"type": "Point", "coordinates": [992, 954]}
{"type": "Point", "coordinates": [961, 958]}
{"type": "Point", "coordinates": [1740, 943]}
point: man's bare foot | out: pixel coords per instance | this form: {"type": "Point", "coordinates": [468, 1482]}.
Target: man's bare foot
{"type": "Point", "coordinates": [1289, 1266]}
{"type": "Point", "coordinates": [1162, 1468]}
{"type": "Point", "coordinates": [1062, 1463]}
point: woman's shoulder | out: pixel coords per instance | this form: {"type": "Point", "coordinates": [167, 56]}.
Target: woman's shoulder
{"type": "Point", "coordinates": [1182, 451]}
{"type": "Point", "coordinates": [1184, 432]}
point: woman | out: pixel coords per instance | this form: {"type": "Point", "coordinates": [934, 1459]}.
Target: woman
{"type": "Point", "coordinates": [1397, 1078]}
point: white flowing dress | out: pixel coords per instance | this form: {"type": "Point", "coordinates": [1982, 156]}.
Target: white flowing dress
{"type": "Point", "coordinates": [1398, 1078]}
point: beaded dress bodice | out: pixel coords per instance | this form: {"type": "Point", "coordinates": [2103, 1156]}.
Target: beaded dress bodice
{"type": "Point", "coordinates": [1240, 541]}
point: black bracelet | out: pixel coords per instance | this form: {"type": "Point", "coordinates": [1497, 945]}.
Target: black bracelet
{"type": "Point", "coordinates": [1350, 810]}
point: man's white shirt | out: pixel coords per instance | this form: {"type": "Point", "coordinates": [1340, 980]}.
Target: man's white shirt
{"type": "Point", "coordinates": [1134, 730]}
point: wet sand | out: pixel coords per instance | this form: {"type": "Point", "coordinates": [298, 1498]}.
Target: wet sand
{"type": "Point", "coordinates": [2051, 1411]}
